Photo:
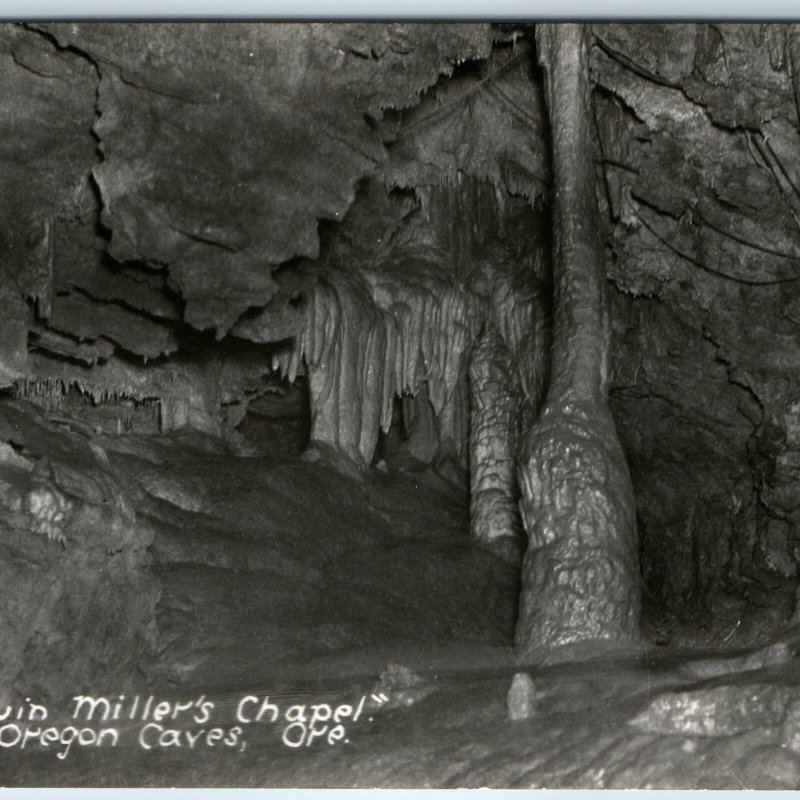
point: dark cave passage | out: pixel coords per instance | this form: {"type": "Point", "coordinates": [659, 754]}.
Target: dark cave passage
{"type": "Point", "coordinates": [279, 420]}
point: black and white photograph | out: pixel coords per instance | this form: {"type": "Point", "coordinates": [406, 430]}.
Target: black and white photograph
{"type": "Point", "coordinates": [400, 404]}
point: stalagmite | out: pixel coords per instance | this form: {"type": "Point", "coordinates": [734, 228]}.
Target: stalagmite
{"type": "Point", "coordinates": [494, 518]}
{"type": "Point", "coordinates": [508, 370]}
{"type": "Point", "coordinates": [580, 573]}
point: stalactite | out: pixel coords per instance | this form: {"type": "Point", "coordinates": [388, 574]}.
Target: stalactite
{"type": "Point", "coordinates": [370, 337]}
{"type": "Point", "coordinates": [194, 387]}
{"type": "Point", "coordinates": [55, 395]}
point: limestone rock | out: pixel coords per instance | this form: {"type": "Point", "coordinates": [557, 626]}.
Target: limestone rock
{"type": "Point", "coordinates": [717, 711]}
{"type": "Point", "coordinates": [13, 336]}
{"type": "Point", "coordinates": [268, 175]}
{"type": "Point", "coordinates": [771, 656]}
{"type": "Point", "coordinates": [63, 611]}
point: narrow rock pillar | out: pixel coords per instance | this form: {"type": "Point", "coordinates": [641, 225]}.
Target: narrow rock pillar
{"type": "Point", "coordinates": [580, 572]}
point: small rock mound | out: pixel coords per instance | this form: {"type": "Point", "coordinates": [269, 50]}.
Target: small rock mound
{"type": "Point", "coordinates": [521, 700]}
{"type": "Point", "coordinates": [401, 688]}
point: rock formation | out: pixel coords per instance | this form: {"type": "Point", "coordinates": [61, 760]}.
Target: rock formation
{"type": "Point", "coordinates": [222, 246]}
{"type": "Point", "coordinates": [580, 575]}
{"type": "Point", "coordinates": [509, 372]}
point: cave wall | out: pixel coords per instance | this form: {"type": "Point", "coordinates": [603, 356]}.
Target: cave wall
{"type": "Point", "coordinates": [163, 182]}
{"type": "Point", "coordinates": [698, 126]}
{"type": "Point", "coordinates": [79, 596]}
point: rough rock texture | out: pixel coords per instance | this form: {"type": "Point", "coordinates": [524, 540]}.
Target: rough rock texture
{"type": "Point", "coordinates": [206, 386]}
{"type": "Point", "coordinates": [218, 195]}
{"type": "Point", "coordinates": [771, 656]}
{"type": "Point", "coordinates": [718, 711]}
{"type": "Point", "coordinates": [698, 127]}
{"type": "Point", "coordinates": [580, 574]}
{"type": "Point", "coordinates": [204, 210]}
{"type": "Point", "coordinates": [453, 130]}
{"type": "Point", "coordinates": [272, 564]}
{"type": "Point", "coordinates": [14, 333]}
{"type": "Point", "coordinates": [149, 558]}
{"type": "Point", "coordinates": [47, 153]}
{"type": "Point", "coordinates": [370, 338]}
{"type": "Point", "coordinates": [113, 238]}
{"type": "Point", "coordinates": [509, 372]}
{"type": "Point", "coordinates": [790, 732]}
{"type": "Point", "coordinates": [78, 597]}
{"type": "Point", "coordinates": [494, 421]}
{"type": "Point", "coordinates": [456, 732]}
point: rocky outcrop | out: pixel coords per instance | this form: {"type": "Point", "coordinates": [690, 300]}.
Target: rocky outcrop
{"type": "Point", "coordinates": [78, 599]}
{"type": "Point", "coordinates": [698, 130]}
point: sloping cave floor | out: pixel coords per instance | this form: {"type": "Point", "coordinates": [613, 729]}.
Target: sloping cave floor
{"type": "Point", "coordinates": [287, 578]}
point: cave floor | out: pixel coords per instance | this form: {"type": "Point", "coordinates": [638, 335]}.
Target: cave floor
{"type": "Point", "coordinates": [451, 730]}
{"type": "Point", "coordinates": [304, 586]}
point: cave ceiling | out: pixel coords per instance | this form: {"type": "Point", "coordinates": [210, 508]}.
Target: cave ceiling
{"type": "Point", "coordinates": [215, 149]}
{"type": "Point", "coordinates": [172, 168]}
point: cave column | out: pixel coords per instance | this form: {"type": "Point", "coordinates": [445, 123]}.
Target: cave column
{"type": "Point", "coordinates": [580, 572]}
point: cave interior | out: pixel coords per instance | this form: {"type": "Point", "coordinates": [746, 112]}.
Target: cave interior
{"type": "Point", "coordinates": [357, 357]}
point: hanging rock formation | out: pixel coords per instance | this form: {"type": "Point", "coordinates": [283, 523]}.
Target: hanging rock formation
{"type": "Point", "coordinates": [580, 573]}
{"type": "Point", "coordinates": [369, 338]}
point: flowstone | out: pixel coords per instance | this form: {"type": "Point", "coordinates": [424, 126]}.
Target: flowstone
{"type": "Point", "coordinates": [580, 570]}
